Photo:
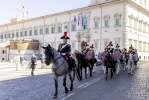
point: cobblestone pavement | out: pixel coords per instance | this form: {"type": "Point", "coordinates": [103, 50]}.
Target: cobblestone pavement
{"type": "Point", "coordinates": [21, 86]}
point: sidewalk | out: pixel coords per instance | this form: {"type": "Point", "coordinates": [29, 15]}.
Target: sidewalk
{"type": "Point", "coordinates": [22, 73]}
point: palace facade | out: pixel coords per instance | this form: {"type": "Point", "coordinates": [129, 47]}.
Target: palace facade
{"type": "Point", "coordinates": [122, 21]}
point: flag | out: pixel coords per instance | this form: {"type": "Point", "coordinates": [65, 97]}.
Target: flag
{"type": "Point", "coordinates": [75, 19]}
{"type": "Point", "coordinates": [22, 5]}
{"type": "Point", "coordinates": [78, 20]}
{"type": "Point", "coordinates": [82, 21]}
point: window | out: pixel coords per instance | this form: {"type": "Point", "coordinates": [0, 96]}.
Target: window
{"type": "Point", "coordinates": [96, 24]}
{"type": "Point", "coordinates": [1, 36]}
{"type": "Point", "coordinates": [46, 43]}
{"type": "Point", "coordinates": [52, 29]}
{"type": "Point", "coordinates": [135, 44]}
{"type": "Point", "coordinates": [106, 23]}
{"type": "Point", "coordinates": [35, 32]}
{"type": "Point", "coordinates": [65, 27]}
{"type": "Point", "coordinates": [148, 29]}
{"type": "Point", "coordinates": [117, 23]}
{"type": "Point", "coordinates": [144, 27]}
{"type": "Point", "coordinates": [85, 23]}
{"type": "Point", "coordinates": [17, 34]}
{"type": "Point", "coordinates": [130, 42]}
{"type": "Point", "coordinates": [52, 44]}
{"type": "Point", "coordinates": [12, 35]}
{"type": "Point", "coordinates": [8, 35]}
{"type": "Point", "coordinates": [30, 33]}
{"type": "Point", "coordinates": [47, 30]}
{"type": "Point", "coordinates": [3, 52]}
{"type": "Point", "coordinates": [41, 44]}
{"type": "Point", "coordinates": [96, 44]}
{"type": "Point", "coordinates": [59, 29]}
{"type": "Point", "coordinates": [73, 45]}
{"type": "Point", "coordinates": [130, 22]}
{"type": "Point", "coordinates": [25, 33]}
{"type": "Point", "coordinates": [148, 47]}
{"type": "Point", "coordinates": [117, 41]}
{"type": "Point", "coordinates": [140, 25]}
{"type": "Point", "coordinates": [73, 27]}
{"type": "Point", "coordinates": [144, 47]}
{"type": "Point", "coordinates": [21, 34]}
{"type": "Point", "coordinates": [5, 36]}
{"type": "Point", "coordinates": [135, 24]}
{"type": "Point", "coordinates": [105, 43]}
{"type": "Point", "coordinates": [140, 46]}
{"type": "Point", "coordinates": [41, 31]}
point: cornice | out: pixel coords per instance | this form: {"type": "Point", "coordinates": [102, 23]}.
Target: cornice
{"type": "Point", "coordinates": [138, 6]}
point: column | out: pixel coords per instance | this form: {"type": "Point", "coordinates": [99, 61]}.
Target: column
{"type": "Point", "coordinates": [125, 22]}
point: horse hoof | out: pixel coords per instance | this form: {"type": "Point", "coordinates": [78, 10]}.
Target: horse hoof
{"type": "Point", "coordinates": [66, 91]}
{"type": "Point", "coordinates": [128, 73]}
{"type": "Point", "coordinates": [71, 89]}
{"type": "Point", "coordinates": [54, 97]}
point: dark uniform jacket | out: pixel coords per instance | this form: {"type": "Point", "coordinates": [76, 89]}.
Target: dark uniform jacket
{"type": "Point", "coordinates": [64, 48]}
{"type": "Point", "coordinates": [85, 50]}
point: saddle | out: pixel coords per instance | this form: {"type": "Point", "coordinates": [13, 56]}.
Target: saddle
{"type": "Point", "coordinates": [70, 61]}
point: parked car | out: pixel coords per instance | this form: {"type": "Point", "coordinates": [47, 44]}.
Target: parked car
{"type": "Point", "coordinates": [98, 62]}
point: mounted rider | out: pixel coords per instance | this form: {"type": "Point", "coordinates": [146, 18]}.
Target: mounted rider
{"type": "Point", "coordinates": [65, 50]}
{"type": "Point", "coordinates": [117, 48]}
{"type": "Point", "coordinates": [130, 59]}
{"type": "Point", "coordinates": [85, 49]}
{"type": "Point", "coordinates": [110, 49]}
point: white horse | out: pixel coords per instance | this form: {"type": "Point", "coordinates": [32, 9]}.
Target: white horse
{"type": "Point", "coordinates": [59, 68]}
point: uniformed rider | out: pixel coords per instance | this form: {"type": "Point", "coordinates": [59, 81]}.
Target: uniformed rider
{"type": "Point", "coordinates": [118, 48]}
{"type": "Point", "coordinates": [65, 50]}
{"type": "Point", "coordinates": [85, 49]}
{"type": "Point", "coordinates": [110, 49]}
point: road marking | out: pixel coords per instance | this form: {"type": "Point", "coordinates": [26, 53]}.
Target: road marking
{"type": "Point", "coordinates": [83, 86]}
{"type": "Point", "coordinates": [93, 82]}
{"type": "Point", "coordinates": [68, 96]}
{"type": "Point", "coordinates": [90, 82]}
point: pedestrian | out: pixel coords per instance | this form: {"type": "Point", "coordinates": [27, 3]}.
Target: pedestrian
{"type": "Point", "coordinates": [21, 60]}
{"type": "Point", "coordinates": [33, 64]}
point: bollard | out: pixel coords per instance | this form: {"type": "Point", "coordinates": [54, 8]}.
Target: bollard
{"type": "Point", "coordinates": [17, 66]}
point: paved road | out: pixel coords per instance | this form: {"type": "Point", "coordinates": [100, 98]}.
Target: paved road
{"type": "Point", "coordinates": [21, 86]}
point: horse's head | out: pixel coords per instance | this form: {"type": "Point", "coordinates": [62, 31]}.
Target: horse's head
{"type": "Point", "coordinates": [49, 54]}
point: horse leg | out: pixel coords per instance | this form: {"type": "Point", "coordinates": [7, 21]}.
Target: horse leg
{"type": "Point", "coordinates": [90, 68]}
{"type": "Point", "coordinates": [56, 88]}
{"type": "Point", "coordinates": [106, 72]}
{"type": "Point", "coordinates": [111, 73]}
{"type": "Point", "coordinates": [131, 69]}
{"type": "Point", "coordinates": [86, 73]}
{"type": "Point", "coordinates": [64, 83]}
{"type": "Point", "coordinates": [80, 69]}
{"type": "Point", "coordinates": [71, 80]}
{"type": "Point", "coordinates": [94, 66]}
{"type": "Point", "coordinates": [104, 69]}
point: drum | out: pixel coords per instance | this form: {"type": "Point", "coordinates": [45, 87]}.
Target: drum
{"type": "Point", "coordinates": [101, 56]}
{"type": "Point", "coordinates": [117, 55]}
{"type": "Point", "coordinates": [135, 57]}
{"type": "Point", "coordinates": [90, 55]}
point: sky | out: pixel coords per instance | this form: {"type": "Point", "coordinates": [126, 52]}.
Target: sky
{"type": "Point", "coordinates": [36, 8]}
